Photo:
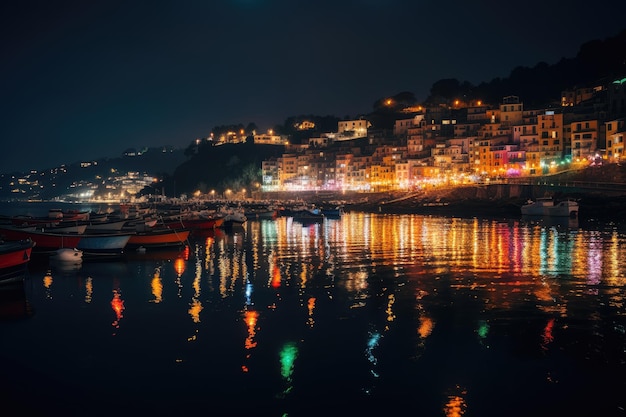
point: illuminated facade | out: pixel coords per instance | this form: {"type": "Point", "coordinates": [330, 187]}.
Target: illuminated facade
{"type": "Point", "coordinates": [270, 139]}
{"type": "Point", "coordinates": [584, 139]}
{"type": "Point", "coordinates": [439, 146]}
{"type": "Point", "coordinates": [550, 136]}
{"type": "Point", "coordinates": [353, 128]}
{"type": "Point", "coordinates": [615, 132]}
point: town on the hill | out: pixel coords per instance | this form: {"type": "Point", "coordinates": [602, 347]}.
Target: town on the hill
{"type": "Point", "coordinates": [456, 143]}
{"type": "Point", "coordinates": [453, 142]}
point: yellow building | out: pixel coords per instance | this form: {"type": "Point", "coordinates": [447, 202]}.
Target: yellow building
{"type": "Point", "coordinates": [353, 128]}
{"type": "Point", "coordinates": [584, 139]}
{"type": "Point", "coordinates": [615, 132]}
{"type": "Point", "coordinates": [550, 137]}
{"type": "Point", "coordinates": [511, 111]}
{"type": "Point", "coordinates": [287, 168]}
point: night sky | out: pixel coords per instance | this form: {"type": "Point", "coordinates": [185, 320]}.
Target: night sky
{"type": "Point", "coordinates": [87, 79]}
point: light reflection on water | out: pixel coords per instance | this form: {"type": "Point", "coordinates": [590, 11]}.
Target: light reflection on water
{"type": "Point", "coordinates": [446, 316]}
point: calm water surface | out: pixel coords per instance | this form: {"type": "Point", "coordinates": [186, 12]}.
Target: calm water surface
{"type": "Point", "coordinates": [365, 315]}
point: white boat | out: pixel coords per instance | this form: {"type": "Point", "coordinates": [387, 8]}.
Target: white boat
{"type": "Point", "coordinates": [546, 206]}
{"type": "Point", "coordinates": [104, 243]}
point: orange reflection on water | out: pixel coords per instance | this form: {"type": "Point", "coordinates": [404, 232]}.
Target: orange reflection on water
{"type": "Point", "coordinates": [426, 327]}
{"type": "Point", "coordinates": [275, 283]}
{"type": "Point", "coordinates": [157, 286]}
{"type": "Point", "coordinates": [47, 280]}
{"type": "Point", "coordinates": [118, 307]}
{"type": "Point", "coordinates": [47, 283]}
{"type": "Point", "coordinates": [456, 405]}
{"type": "Point", "coordinates": [88, 290]}
{"type": "Point", "coordinates": [311, 307]}
{"type": "Point", "coordinates": [547, 336]}
{"type": "Point", "coordinates": [179, 266]}
{"type": "Point", "coordinates": [194, 310]}
{"type": "Point", "coordinates": [390, 300]}
{"type": "Point", "coordinates": [251, 317]}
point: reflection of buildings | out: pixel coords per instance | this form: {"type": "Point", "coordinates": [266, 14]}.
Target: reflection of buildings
{"type": "Point", "coordinates": [392, 281]}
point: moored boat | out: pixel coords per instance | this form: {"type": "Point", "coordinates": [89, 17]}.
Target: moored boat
{"type": "Point", "coordinates": [232, 216]}
{"type": "Point", "coordinates": [44, 241]}
{"type": "Point", "coordinates": [194, 223]}
{"type": "Point", "coordinates": [545, 206]}
{"type": "Point", "coordinates": [106, 226]}
{"type": "Point", "coordinates": [71, 215]}
{"type": "Point", "coordinates": [14, 255]}
{"type": "Point", "coordinates": [158, 238]}
{"type": "Point", "coordinates": [307, 215]}
{"type": "Point", "coordinates": [101, 244]}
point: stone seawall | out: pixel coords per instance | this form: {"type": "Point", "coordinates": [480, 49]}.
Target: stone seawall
{"type": "Point", "coordinates": [501, 200]}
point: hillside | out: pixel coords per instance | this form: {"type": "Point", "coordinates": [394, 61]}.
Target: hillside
{"type": "Point", "coordinates": [227, 166]}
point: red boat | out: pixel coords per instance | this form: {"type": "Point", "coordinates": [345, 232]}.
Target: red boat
{"type": "Point", "coordinates": [14, 255]}
{"type": "Point", "coordinates": [158, 238]}
{"type": "Point", "coordinates": [45, 241]}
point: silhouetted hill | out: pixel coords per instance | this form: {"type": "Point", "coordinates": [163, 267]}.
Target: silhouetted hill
{"type": "Point", "coordinates": [596, 60]}
{"type": "Point", "coordinates": [227, 166]}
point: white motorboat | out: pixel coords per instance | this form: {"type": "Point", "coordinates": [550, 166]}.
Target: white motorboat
{"type": "Point", "coordinates": [546, 206]}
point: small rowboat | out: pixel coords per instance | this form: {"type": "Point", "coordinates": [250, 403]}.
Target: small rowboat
{"type": "Point", "coordinates": [158, 238]}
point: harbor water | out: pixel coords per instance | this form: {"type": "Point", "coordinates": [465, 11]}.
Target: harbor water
{"type": "Point", "coordinates": [366, 314]}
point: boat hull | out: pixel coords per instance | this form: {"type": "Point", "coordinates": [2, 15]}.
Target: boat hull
{"type": "Point", "coordinates": [545, 207]}
{"type": "Point", "coordinates": [158, 238]}
{"type": "Point", "coordinates": [14, 256]}
{"type": "Point", "coordinates": [104, 244]}
{"type": "Point", "coordinates": [43, 241]}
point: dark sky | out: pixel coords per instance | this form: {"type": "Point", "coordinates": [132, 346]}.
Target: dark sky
{"type": "Point", "coordinates": [87, 79]}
